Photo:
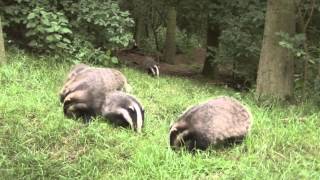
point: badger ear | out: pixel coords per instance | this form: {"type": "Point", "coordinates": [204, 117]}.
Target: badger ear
{"type": "Point", "coordinates": [170, 126]}
{"type": "Point", "coordinates": [131, 108]}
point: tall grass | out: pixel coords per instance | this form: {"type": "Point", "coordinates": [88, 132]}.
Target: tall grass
{"type": "Point", "coordinates": [38, 142]}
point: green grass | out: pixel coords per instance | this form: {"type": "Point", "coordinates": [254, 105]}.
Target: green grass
{"type": "Point", "coordinates": [38, 142]}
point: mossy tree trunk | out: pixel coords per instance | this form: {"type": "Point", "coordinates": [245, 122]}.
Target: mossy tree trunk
{"type": "Point", "coordinates": [275, 71]}
{"type": "Point", "coordinates": [170, 43]}
{"type": "Point", "coordinates": [139, 29]}
{"type": "Point", "coordinates": [2, 51]}
{"type": "Point", "coordinates": [209, 68]}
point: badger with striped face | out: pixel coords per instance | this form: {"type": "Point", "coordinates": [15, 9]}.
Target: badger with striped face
{"type": "Point", "coordinates": [151, 66]}
{"type": "Point", "coordinates": [217, 121]}
{"type": "Point", "coordinates": [124, 110]}
{"type": "Point", "coordinates": [118, 107]}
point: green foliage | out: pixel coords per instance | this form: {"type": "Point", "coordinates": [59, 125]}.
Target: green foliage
{"type": "Point", "coordinates": [38, 142]}
{"type": "Point", "coordinates": [47, 31]}
{"type": "Point", "coordinates": [184, 42]}
{"type": "Point", "coordinates": [83, 51]}
{"type": "Point", "coordinates": [293, 44]}
{"type": "Point", "coordinates": [52, 25]}
{"type": "Point", "coordinates": [104, 19]}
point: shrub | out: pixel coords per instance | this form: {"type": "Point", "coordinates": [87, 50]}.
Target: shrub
{"type": "Point", "coordinates": [83, 51]}
{"type": "Point", "coordinates": [52, 25]}
{"type": "Point", "coordinates": [47, 31]}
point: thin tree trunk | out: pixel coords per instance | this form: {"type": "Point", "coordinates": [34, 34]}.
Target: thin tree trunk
{"type": "Point", "coordinates": [139, 30]}
{"type": "Point", "coordinates": [209, 68]}
{"type": "Point", "coordinates": [204, 29]}
{"type": "Point", "coordinates": [2, 51]}
{"type": "Point", "coordinates": [307, 56]}
{"type": "Point", "coordinates": [170, 44]}
{"type": "Point", "coordinates": [275, 71]}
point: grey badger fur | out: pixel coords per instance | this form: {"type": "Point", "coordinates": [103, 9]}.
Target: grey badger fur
{"type": "Point", "coordinates": [98, 80]}
{"type": "Point", "coordinates": [118, 107]}
{"type": "Point", "coordinates": [75, 70]}
{"type": "Point", "coordinates": [151, 66]}
{"type": "Point", "coordinates": [211, 123]}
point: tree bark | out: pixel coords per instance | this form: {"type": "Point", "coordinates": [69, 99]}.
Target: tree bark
{"type": "Point", "coordinates": [2, 51]}
{"type": "Point", "coordinates": [209, 68]}
{"type": "Point", "coordinates": [139, 30]}
{"type": "Point", "coordinates": [275, 71]}
{"type": "Point", "coordinates": [170, 43]}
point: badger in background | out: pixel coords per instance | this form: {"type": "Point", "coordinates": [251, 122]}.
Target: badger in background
{"type": "Point", "coordinates": [150, 65]}
{"type": "Point", "coordinates": [215, 122]}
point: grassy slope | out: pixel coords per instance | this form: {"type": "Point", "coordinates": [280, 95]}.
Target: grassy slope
{"type": "Point", "coordinates": [36, 141]}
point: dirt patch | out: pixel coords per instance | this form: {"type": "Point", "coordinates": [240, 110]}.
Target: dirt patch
{"type": "Point", "coordinates": [196, 56]}
{"type": "Point", "coordinates": [185, 64]}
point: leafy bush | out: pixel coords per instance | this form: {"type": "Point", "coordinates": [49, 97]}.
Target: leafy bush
{"type": "Point", "coordinates": [103, 21]}
{"type": "Point", "coordinates": [52, 25]}
{"type": "Point", "coordinates": [47, 30]}
{"type": "Point", "coordinates": [84, 51]}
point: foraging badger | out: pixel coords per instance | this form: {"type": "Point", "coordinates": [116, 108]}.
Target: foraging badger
{"type": "Point", "coordinates": [123, 109]}
{"type": "Point", "coordinates": [151, 67]}
{"type": "Point", "coordinates": [99, 80]}
{"type": "Point", "coordinates": [118, 107]}
{"type": "Point", "coordinates": [214, 122]}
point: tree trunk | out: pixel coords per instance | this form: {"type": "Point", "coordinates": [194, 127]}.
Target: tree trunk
{"type": "Point", "coordinates": [275, 71]}
{"type": "Point", "coordinates": [2, 51]}
{"type": "Point", "coordinates": [209, 68]}
{"type": "Point", "coordinates": [170, 43]}
{"type": "Point", "coordinates": [139, 30]}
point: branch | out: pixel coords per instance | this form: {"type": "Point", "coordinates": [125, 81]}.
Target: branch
{"type": "Point", "coordinates": [310, 16]}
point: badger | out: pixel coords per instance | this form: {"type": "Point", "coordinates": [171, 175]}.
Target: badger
{"type": "Point", "coordinates": [98, 80]}
{"type": "Point", "coordinates": [124, 110]}
{"type": "Point", "coordinates": [151, 67]}
{"type": "Point", "coordinates": [118, 107]}
{"type": "Point", "coordinates": [214, 122]}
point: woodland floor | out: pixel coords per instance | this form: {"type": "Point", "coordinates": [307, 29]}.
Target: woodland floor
{"type": "Point", "coordinates": [38, 142]}
{"type": "Point", "coordinates": [185, 64]}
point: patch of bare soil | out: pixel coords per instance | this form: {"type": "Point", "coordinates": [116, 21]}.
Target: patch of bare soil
{"type": "Point", "coordinates": [185, 64]}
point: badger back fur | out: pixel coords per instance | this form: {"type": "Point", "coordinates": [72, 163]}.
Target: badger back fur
{"type": "Point", "coordinates": [211, 123]}
{"type": "Point", "coordinates": [98, 80]}
{"type": "Point", "coordinates": [124, 110]}
{"type": "Point", "coordinates": [151, 66]}
{"type": "Point", "coordinates": [75, 70]}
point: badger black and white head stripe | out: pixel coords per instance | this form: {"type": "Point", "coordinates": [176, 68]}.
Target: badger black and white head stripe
{"type": "Point", "coordinates": [156, 69]}
{"type": "Point", "coordinates": [138, 114]}
{"type": "Point", "coordinates": [121, 108]}
{"type": "Point", "coordinates": [150, 65]}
